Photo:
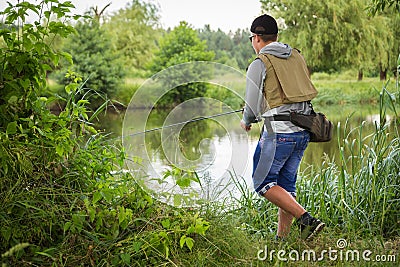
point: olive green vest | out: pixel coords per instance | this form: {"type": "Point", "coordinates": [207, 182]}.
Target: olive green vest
{"type": "Point", "coordinates": [287, 80]}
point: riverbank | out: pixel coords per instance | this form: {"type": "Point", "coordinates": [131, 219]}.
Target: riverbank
{"type": "Point", "coordinates": [334, 89]}
{"type": "Point", "coordinates": [73, 206]}
{"type": "Point", "coordinates": [339, 89]}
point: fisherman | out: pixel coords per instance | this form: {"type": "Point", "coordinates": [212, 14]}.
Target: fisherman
{"type": "Point", "coordinates": [278, 82]}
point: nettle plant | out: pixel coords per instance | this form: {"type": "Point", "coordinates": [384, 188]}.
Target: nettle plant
{"type": "Point", "coordinates": [27, 54]}
{"type": "Point", "coordinates": [59, 198]}
{"type": "Point", "coordinates": [35, 144]}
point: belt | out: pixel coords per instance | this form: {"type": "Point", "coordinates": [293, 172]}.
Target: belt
{"type": "Point", "coordinates": [267, 121]}
{"type": "Point", "coordinates": [281, 117]}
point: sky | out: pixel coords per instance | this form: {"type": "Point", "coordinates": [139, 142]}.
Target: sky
{"type": "Point", "coordinates": [223, 14]}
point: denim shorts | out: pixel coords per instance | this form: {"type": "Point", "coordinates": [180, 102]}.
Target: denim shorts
{"type": "Point", "coordinates": [276, 160]}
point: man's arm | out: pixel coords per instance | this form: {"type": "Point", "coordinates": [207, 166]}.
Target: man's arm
{"type": "Point", "coordinates": [254, 94]}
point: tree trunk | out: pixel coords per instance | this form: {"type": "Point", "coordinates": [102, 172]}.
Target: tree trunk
{"type": "Point", "coordinates": [309, 70]}
{"type": "Point", "coordinates": [382, 73]}
{"type": "Point", "coordinates": [360, 75]}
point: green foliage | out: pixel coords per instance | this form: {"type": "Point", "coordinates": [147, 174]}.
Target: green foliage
{"type": "Point", "coordinates": [230, 49]}
{"type": "Point", "coordinates": [134, 33]}
{"type": "Point", "coordinates": [337, 34]}
{"type": "Point", "coordinates": [94, 58]}
{"type": "Point", "coordinates": [125, 92]}
{"type": "Point", "coordinates": [36, 188]}
{"type": "Point", "coordinates": [382, 5]}
{"type": "Point", "coordinates": [64, 199]}
{"type": "Point", "coordinates": [356, 194]}
{"type": "Point", "coordinates": [359, 192]}
{"type": "Point", "coordinates": [226, 96]}
{"type": "Point", "coordinates": [26, 57]}
{"type": "Point", "coordinates": [221, 44]}
{"type": "Point", "coordinates": [182, 45]}
{"type": "Point", "coordinates": [243, 52]}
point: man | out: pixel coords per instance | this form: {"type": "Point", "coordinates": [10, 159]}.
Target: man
{"type": "Point", "coordinates": [277, 83]}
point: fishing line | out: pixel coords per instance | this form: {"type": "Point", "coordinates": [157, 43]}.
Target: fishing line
{"type": "Point", "coordinates": [185, 122]}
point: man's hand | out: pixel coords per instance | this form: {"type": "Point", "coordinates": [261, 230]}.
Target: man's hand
{"type": "Point", "coordinates": [244, 126]}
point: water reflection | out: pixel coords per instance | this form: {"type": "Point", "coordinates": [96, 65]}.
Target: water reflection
{"type": "Point", "coordinates": [217, 148]}
{"type": "Point", "coordinates": [213, 148]}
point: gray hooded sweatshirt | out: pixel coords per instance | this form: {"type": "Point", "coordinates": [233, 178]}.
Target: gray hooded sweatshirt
{"type": "Point", "coordinates": [256, 105]}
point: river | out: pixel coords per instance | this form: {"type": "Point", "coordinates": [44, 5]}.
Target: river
{"type": "Point", "coordinates": [217, 148]}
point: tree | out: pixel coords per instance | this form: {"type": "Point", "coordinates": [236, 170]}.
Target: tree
{"type": "Point", "coordinates": [220, 43]}
{"type": "Point", "coordinates": [334, 34]}
{"type": "Point", "coordinates": [94, 57]}
{"type": "Point", "coordinates": [134, 32]}
{"type": "Point", "coordinates": [382, 5]}
{"type": "Point", "coordinates": [372, 39]}
{"type": "Point", "coordinates": [391, 10]}
{"type": "Point", "coordinates": [243, 52]}
{"type": "Point", "coordinates": [314, 27]}
{"type": "Point", "coordinates": [230, 49]}
{"type": "Point", "coordinates": [181, 45]}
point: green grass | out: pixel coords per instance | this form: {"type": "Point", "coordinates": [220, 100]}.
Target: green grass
{"type": "Point", "coordinates": [75, 209]}
{"type": "Point", "coordinates": [227, 245]}
{"type": "Point", "coordinates": [344, 88]}
{"type": "Point", "coordinates": [356, 196]}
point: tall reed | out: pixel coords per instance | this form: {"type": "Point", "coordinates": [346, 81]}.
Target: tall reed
{"type": "Point", "coordinates": [360, 192]}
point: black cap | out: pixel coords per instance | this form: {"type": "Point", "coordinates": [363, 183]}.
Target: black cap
{"type": "Point", "coordinates": [264, 24]}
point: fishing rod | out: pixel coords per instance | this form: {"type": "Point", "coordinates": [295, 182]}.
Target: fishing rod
{"type": "Point", "coordinates": [188, 121]}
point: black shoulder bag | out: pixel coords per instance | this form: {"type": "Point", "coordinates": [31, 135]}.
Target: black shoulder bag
{"type": "Point", "coordinates": [316, 123]}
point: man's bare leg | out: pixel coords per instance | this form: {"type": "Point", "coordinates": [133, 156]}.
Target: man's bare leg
{"type": "Point", "coordinates": [281, 198]}
{"type": "Point", "coordinates": [309, 226]}
{"type": "Point", "coordinates": [285, 220]}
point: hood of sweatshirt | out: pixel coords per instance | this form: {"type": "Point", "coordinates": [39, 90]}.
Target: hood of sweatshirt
{"type": "Point", "coordinates": [277, 49]}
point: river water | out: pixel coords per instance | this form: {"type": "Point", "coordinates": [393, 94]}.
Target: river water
{"type": "Point", "coordinates": [217, 149]}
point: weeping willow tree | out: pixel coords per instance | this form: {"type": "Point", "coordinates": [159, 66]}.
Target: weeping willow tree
{"type": "Point", "coordinates": [391, 9]}
{"type": "Point", "coordinates": [382, 5]}
{"type": "Point", "coordinates": [333, 35]}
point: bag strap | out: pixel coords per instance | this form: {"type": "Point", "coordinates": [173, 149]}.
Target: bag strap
{"type": "Point", "coordinates": [281, 117]}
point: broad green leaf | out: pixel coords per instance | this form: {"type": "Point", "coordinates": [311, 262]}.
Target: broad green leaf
{"type": "Point", "coordinates": [11, 127]}
{"type": "Point", "coordinates": [183, 182]}
{"type": "Point", "coordinates": [126, 258]}
{"type": "Point", "coordinates": [182, 241]}
{"type": "Point", "coordinates": [67, 225]}
{"type": "Point", "coordinates": [189, 242]}
{"type": "Point", "coordinates": [96, 197]}
{"type": "Point", "coordinates": [107, 194]}
{"type": "Point", "coordinates": [59, 150]}
{"type": "Point", "coordinates": [177, 200]}
{"type": "Point", "coordinates": [12, 100]}
{"type": "Point", "coordinates": [166, 223]}
{"type": "Point", "coordinates": [137, 245]}
{"type": "Point", "coordinates": [121, 215]}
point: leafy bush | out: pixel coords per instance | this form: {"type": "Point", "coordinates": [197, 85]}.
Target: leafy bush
{"type": "Point", "coordinates": [63, 197]}
{"type": "Point", "coordinates": [26, 57]}
{"type": "Point", "coordinates": [182, 45]}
